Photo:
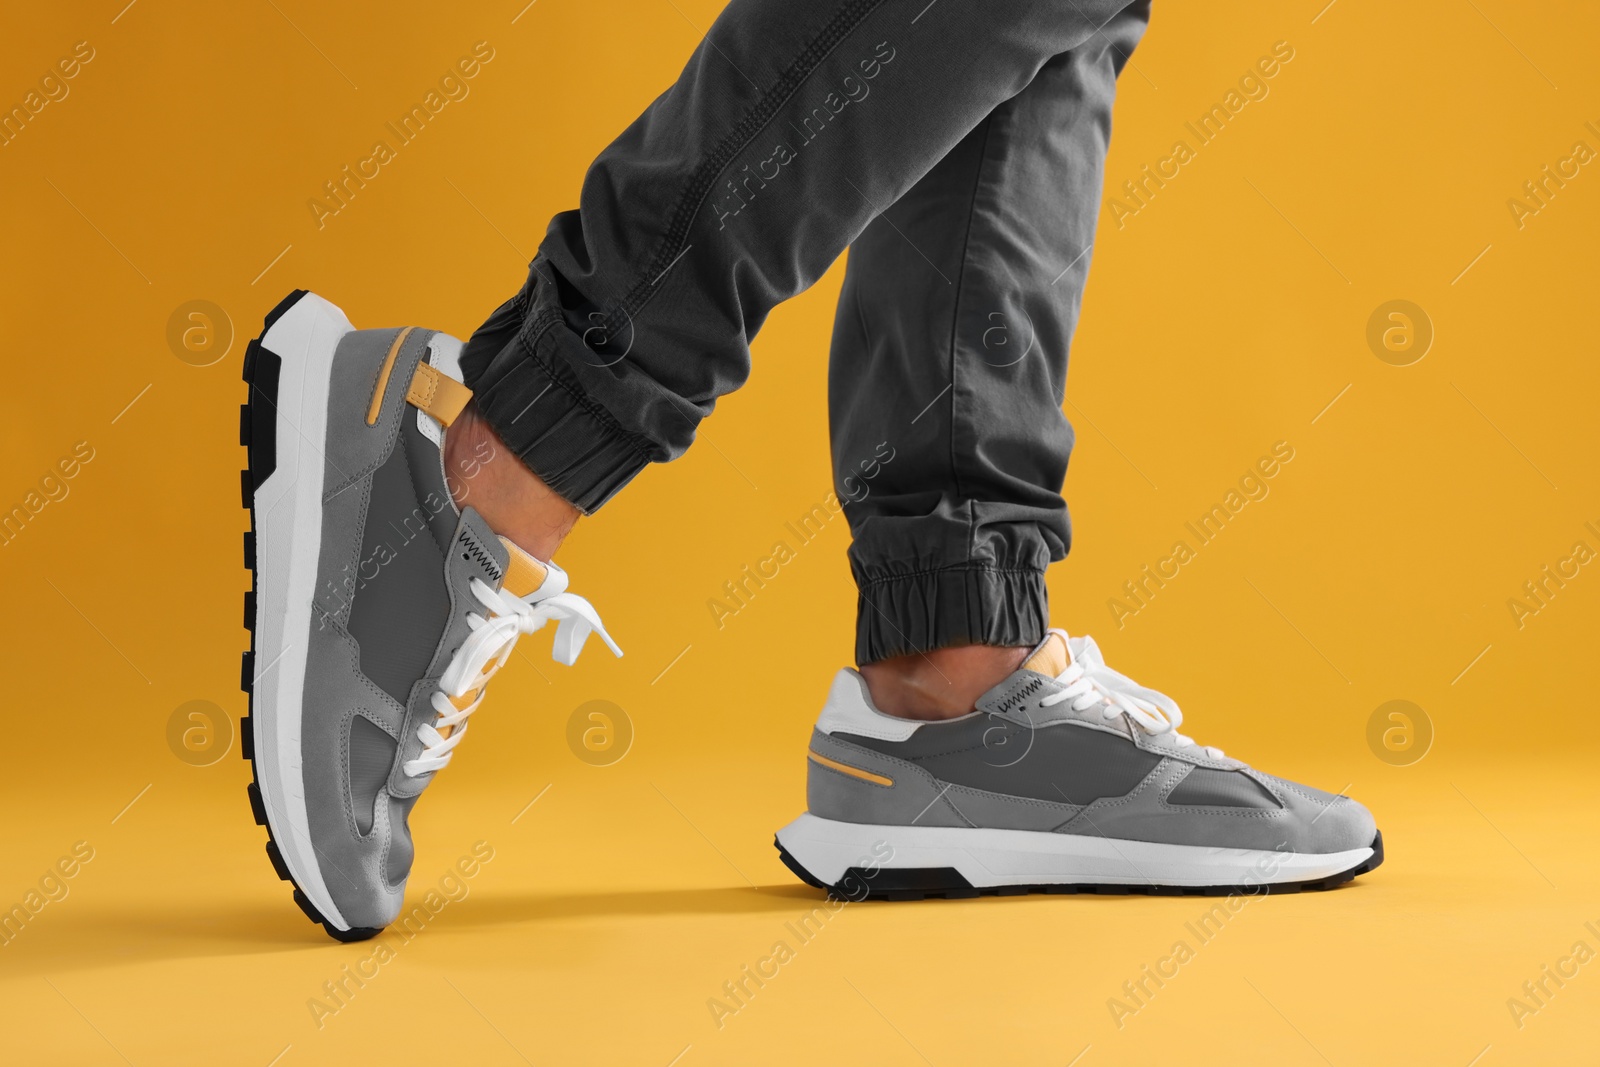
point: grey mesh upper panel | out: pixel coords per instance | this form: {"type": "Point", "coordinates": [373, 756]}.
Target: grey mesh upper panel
{"type": "Point", "coordinates": [400, 602]}
{"type": "Point", "coordinates": [1059, 763]}
{"type": "Point", "coordinates": [426, 464]}
{"type": "Point", "coordinates": [1221, 789]}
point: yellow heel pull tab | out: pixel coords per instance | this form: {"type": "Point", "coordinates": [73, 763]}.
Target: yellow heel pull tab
{"type": "Point", "coordinates": [440, 395]}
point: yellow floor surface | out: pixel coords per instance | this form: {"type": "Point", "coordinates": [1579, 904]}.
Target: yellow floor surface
{"type": "Point", "coordinates": [619, 905]}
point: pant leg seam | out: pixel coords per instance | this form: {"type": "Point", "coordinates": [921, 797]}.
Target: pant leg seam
{"type": "Point", "coordinates": [861, 320]}
{"type": "Point", "coordinates": [956, 317]}
{"type": "Point", "coordinates": [955, 323]}
{"type": "Point", "coordinates": [703, 180]}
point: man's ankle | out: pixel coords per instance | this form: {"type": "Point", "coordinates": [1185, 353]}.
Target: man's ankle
{"type": "Point", "coordinates": [481, 469]}
{"type": "Point", "coordinates": [943, 684]}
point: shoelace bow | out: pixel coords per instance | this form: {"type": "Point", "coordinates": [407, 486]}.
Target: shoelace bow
{"type": "Point", "coordinates": [1089, 681]}
{"type": "Point", "coordinates": [486, 650]}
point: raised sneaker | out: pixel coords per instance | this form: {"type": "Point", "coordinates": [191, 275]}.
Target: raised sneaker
{"type": "Point", "coordinates": [1068, 777]}
{"type": "Point", "coordinates": [378, 610]}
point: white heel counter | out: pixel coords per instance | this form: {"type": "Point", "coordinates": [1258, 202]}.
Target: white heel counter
{"type": "Point", "coordinates": [849, 710]}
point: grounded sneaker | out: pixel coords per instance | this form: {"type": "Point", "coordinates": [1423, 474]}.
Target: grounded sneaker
{"type": "Point", "coordinates": [1068, 777]}
{"type": "Point", "coordinates": [379, 609]}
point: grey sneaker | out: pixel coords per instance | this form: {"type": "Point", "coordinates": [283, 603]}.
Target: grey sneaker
{"type": "Point", "coordinates": [1069, 777]}
{"type": "Point", "coordinates": [378, 609]}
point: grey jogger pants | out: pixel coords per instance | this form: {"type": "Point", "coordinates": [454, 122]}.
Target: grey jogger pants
{"type": "Point", "coordinates": [956, 147]}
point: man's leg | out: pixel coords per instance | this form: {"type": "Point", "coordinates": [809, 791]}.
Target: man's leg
{"type": "Point", "coordinates": [791, 128]}
{"type": "Point", "coordinates": [976, 751]}
{"type": "Point", "coordinates": [948, 370]}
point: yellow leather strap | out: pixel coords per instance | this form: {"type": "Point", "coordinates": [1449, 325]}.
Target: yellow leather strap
{"type": "Point", "coordinates": [440, 395]}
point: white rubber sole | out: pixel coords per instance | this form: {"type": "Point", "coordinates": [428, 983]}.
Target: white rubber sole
{"type": "Point", "coordinates": [992, 859]}
{"type": "Point", "coordinates": [288, 509]}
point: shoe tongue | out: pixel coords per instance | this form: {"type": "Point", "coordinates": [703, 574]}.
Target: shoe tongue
{"type": "Point", "coordinates": [1051, 657]}
{"type": "Point", "coordinates": [524, 574]}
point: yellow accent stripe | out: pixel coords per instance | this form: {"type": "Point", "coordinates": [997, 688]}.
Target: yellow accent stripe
{"type": "Point", "coordinates": [845, 768]}
{"type": "Point", "coordinates": [383, 376]}
{"type": "Point", "coordinates": [440, 395]}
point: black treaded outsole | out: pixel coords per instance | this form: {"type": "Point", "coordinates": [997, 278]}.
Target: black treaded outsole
{"type": "Point", "coordinates": [920, 883]}
{"type": "Point", "coordinates": [258, 433]}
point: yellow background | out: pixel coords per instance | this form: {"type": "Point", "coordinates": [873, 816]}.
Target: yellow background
{"type": "Point", "coordinates": [1223, 317]}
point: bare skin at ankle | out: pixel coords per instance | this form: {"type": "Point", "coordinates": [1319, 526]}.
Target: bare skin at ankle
{"type": "Point", "coordinates": [943, 684]}
{"type": "Point", "coordinates": [481, 470]}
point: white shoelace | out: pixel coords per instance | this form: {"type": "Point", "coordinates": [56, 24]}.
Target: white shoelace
{"type": "Point", "coordinates": [488, 648]}
{"type": "Point", "coordinates": [1089, 682]}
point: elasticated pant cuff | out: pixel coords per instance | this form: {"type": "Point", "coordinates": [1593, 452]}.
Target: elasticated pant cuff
{"type": "Point", "coordinates": [569, 441]}
{"type": "Point", "coordinates": [899, 615]}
